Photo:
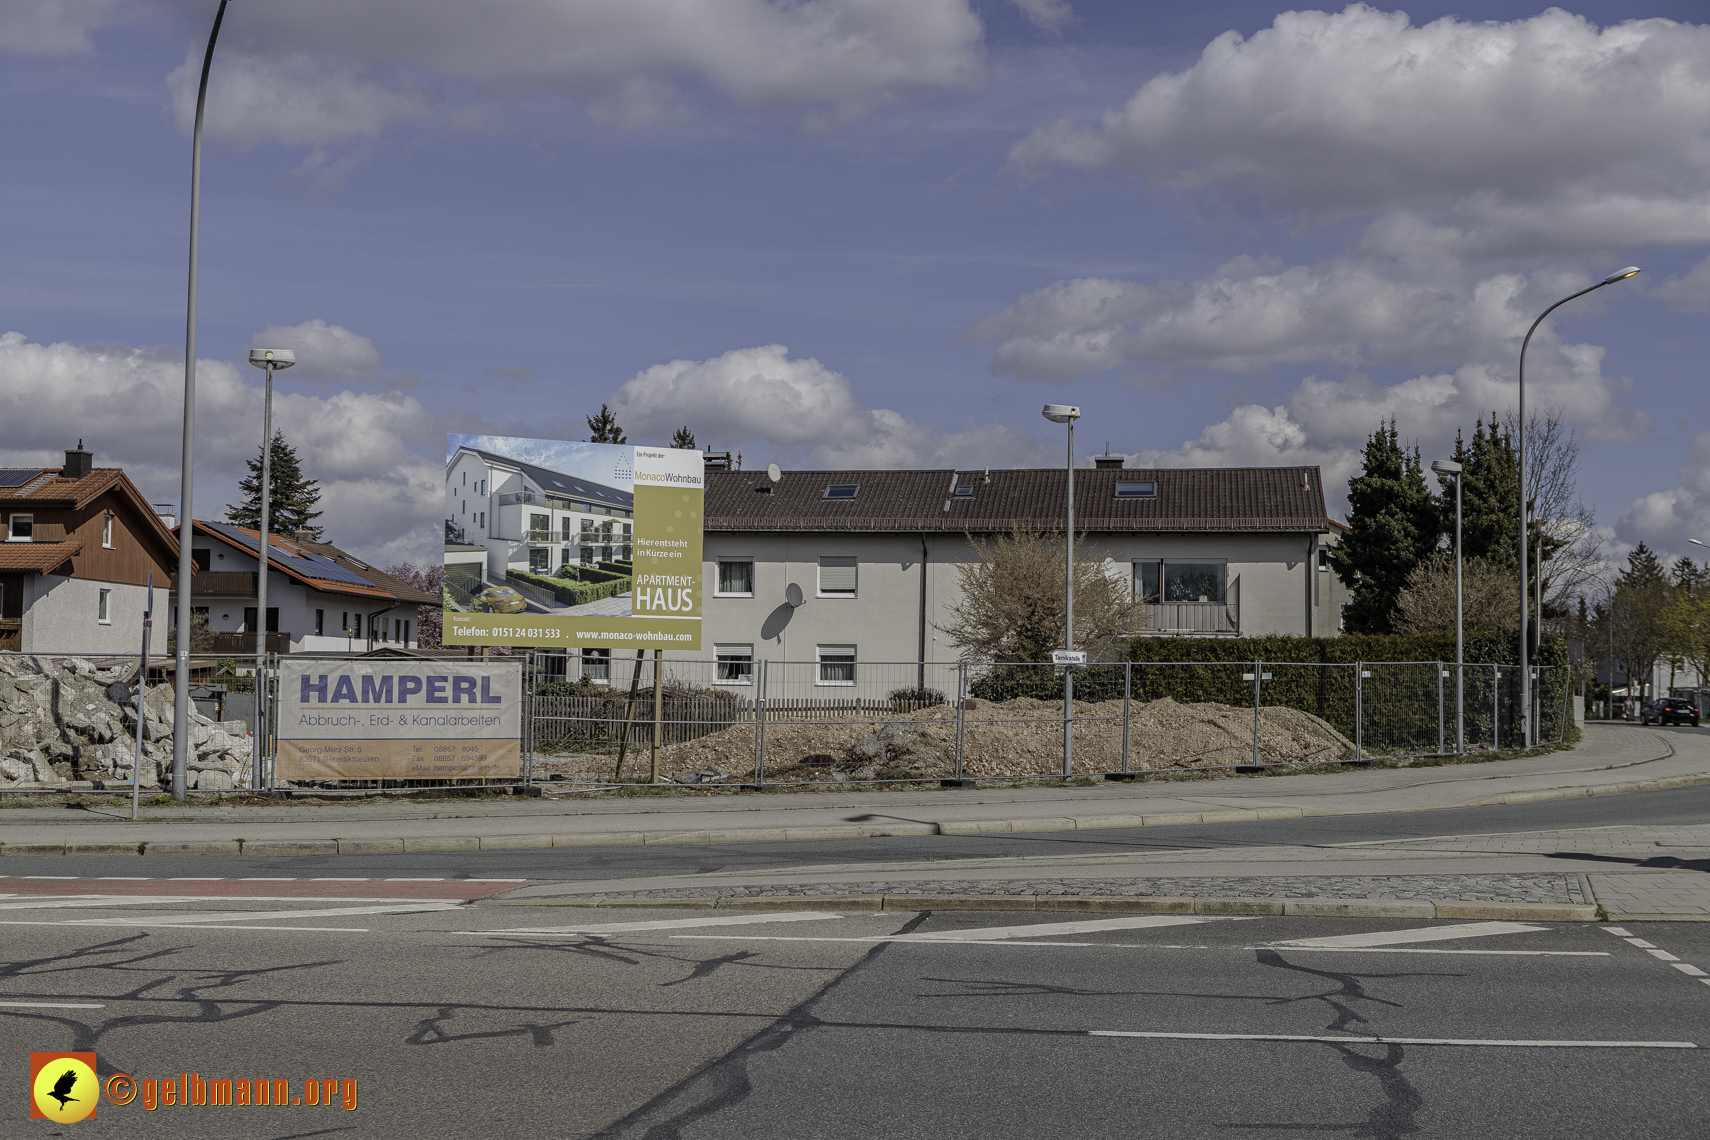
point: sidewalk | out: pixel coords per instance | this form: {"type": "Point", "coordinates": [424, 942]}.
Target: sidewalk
{"type": "Point", "coordinates": [1613, 759]}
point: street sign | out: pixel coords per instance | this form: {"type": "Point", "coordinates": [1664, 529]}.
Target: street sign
{"type": "Point", "coordinates": [1068, 657]}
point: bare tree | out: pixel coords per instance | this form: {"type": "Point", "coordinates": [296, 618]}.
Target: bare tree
{"type": "Point", "coordinates": [1573, 550]}
{"type": "Point", "coordinates": [429, 579]}
{"type": "Point", "coordinates": [1012, 600]}
{"type": "Point", "coordinates": [1426, 603]}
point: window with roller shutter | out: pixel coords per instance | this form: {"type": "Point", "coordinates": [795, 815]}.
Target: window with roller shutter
{"type": "Point", "coordinates": [837, 576]}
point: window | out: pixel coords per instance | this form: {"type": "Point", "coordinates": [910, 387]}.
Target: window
{"type": "Point", "coordinates": [735, 664]}
{"type": "Point", "coordinates": [837, 665]}
{"type": "Point", "coordinates": [1324, 558]}
{"type": "Point", "coordinates": [320, 622]}
{"type": "Point", "coordinates": [964, 490]}
{"type": "Point", "coordinates": [201, 558]}
{"type": "Point", "coordinates": [540, 559]}
{"type": "Point", "coordinates": [842, 490]}
{"type": "Point", "coordinates": [564, 529]}
{"type": "Point", "coordinates": [1180, 581]}
{"type": "Point", "coordinates": [397, 629]}
{"type": "Point", "coordinates": [344, 620]}
{"type": "Point", "coordinates": [103, 608]}
{"type": "Point", "coordinates": [466, 478]}
{"type": "Point", "coordinates": [1131, 489]}
{"type": "Point", "coordinates": [406, 631]}
{"type": "Point", "coordinates": [272, 619]}
{"type": "Point", "coordinates": [626, 529]}
{"type": "Point", "coordinates": [540, 528]}
{"type": "Point", "coordinates": [23, 528]}
{"type": "Point", "coordinates": [597, 665]}
{"type": "Point", "coordinates": [483, 520]}
{"type": "Point", "coordinates": [107, 531]}
{"type": "Point", "coordinates": [735, 578]}
{"type": "Point", "coordinates": [837, 576]}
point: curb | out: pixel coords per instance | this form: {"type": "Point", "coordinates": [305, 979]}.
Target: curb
{"type": "Point", "coordinates": [783, 834]}
{"type": "Point", "coordinates": [1327, 908]}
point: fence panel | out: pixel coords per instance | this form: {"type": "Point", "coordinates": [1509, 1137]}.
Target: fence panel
{"type": "Point", "coordinates": [1401, 711]}
{"type": "Point", "coordinates": [841, 720]}
{"type": "Point", "coordinates": [1013, 723]}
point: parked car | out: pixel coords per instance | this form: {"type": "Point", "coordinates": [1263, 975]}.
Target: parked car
{"type": "Point", "coordinates": [1670, 710]}
{"type": "Point", "coordinates": [501, 600]}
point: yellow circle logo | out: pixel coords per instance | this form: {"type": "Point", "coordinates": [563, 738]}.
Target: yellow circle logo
{"type": "Point", "coordinates": [66, 1090]}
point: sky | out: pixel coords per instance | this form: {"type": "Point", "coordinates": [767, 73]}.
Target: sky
{"type": "Point", "coordinates": [856, 233]}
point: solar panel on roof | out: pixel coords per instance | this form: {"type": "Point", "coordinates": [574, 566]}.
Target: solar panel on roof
{"type": "Point", "coordinates": [309, 565]}
{"type": "Point", "coordinates": [12, 477]}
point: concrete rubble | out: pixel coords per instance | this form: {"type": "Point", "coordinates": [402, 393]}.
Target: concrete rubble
{"type": "Point", "coordinates": [66, 720]}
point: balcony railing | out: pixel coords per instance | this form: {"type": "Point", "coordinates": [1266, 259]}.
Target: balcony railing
{"type": "Point", "coordinates": [243, 644]}
{"type": "Point", "coordinates": [1193, 618]}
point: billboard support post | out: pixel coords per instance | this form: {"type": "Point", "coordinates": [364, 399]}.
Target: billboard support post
{"type": "Point", "coordinates": [628, 714]}
{"type": "Point", "coordinates": [658, 711]}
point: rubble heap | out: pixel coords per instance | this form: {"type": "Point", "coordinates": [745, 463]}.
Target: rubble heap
{"type": "Point", "coordinates": [64, 719]}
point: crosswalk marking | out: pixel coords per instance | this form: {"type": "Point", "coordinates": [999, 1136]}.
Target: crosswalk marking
{"type": "Point", "coordinates": [669, 923]}
{"type": "Point", "coordinates": [1422, 934]}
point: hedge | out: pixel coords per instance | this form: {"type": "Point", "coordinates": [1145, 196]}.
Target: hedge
{"type": "Point", "coordinates": [572, 594]}
{"type": "Point", "coordinates": [1399, 702]}
{"type": "Point", "coordinates": [590, 574]}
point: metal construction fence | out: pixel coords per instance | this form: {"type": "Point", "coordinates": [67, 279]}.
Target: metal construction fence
{"type": "Point", "coordinates": [72, 722]}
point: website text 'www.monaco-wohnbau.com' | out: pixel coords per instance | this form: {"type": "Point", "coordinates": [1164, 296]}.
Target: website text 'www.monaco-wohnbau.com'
{"type": "Point", "coordinates": [644, 635]}
{"type": "Point", "coordinates": [195, 1091]}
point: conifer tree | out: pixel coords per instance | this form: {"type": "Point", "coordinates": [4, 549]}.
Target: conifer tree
{"type": "Point", "coordinates": [684, 438]}
{"type": "Point", "coordinates": [1393, 525]}
{"type": "Point", "coordinates": [291, 499]}
{"type": "Point", "coordinates": [605, 427]}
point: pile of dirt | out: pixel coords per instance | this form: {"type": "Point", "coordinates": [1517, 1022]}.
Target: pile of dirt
{"type": "Point", "coordinates": [1017, 737]}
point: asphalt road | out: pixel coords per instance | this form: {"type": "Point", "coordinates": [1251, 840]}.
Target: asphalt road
{"type": "Point", "coordinates": [1656, 809]}
{"type": "Point", "coordinates": [474, 1020]}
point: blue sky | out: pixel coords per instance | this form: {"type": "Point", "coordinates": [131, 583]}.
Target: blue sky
{"type": "Point", "coordinates": [857, 233]}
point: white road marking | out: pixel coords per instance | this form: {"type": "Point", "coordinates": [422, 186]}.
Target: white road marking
{"type": "Point", "coordinates": [1641, 943]}
{"type": "Point", "coordinates": [1616, 930]}
{"type": "Point", "coordinates": [338, 880]}
{"type": "Point", "coordinates": [1396, 1040]}
{"type": "Point", "coordinates": [1688, 968]}
{"type": "Point", "coordinates": [918, 941]}
{"type": "Point", "coordinates": [495, 880]}
{"type": "Point", "coordinates": [1422, 934]}
{"type": "Point", "coordinates": [196, 926]}
{"type": "Point", "coordinates": [71, 877]}
{"type": "Point", "coordinates": [49, 1005]}
{"type": "Point", "coordinates": [412, 880]}
{"type": "Point", "coordinates": [1663, 954]}
{"type": "Point", "coordinates": [194, 879]}
{"type": "Point", "coordinates": [1421, 950]}
{"type": "Point", "coordinates": [284, 880]}
{"type": "Point", "coordinates": [56, 902]}
{"type": "Point", "coordinates": [668, 923]}
{"type": "Point", "coordinates": [1050, 929]}
{"type": "Point", "coordinates": [125, 879]}
{"type": "Point", "coordinates": [226, 916]}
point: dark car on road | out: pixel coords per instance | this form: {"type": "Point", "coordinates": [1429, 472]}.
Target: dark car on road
{"type": "Point", "coordinates": [1670, 710]}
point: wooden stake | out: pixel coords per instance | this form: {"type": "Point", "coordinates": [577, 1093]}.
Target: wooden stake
{"type": "Point", "coordinates": [658, 709]}
{"type": "Point", "coordinates": [628, 714]}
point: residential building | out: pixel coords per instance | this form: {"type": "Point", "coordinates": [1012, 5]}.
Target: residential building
{"type": "Point", "coordinates": [79, 545]}
{"type": "Point", "coordinates": [319, 599]}
{"type": "Point", "coordinates": [532, 518]}
{"type": "Point", "coordinates": [1219, 552]}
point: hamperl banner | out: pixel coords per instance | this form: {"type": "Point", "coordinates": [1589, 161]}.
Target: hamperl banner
{"type": "Point", "coordinates": [568, 544]}
{"type": "Point", "coordinates": [399, 719]}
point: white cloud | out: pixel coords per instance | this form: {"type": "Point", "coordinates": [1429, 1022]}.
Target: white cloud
{"type": "Point", "coordinates": [1665, 520]}
{"type": "Point", "coordinates": [799, 405]}
{"type": "Point", "coordinates": [629, 62]}
{"type": "Point", "coordinates": [1689, 293]}
{"type": "Point", "coordinates": [375, 454]}
{"type": "Point", "coordinates": [1360, 112]}
{"type": "Point", "coordinates": [324, 352]}
{"type": "Point", "coordinates": [51, 27]}
{"type": "Point", "coordinates": [1049, 15]}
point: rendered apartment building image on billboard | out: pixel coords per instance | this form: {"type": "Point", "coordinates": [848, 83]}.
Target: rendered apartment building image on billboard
{"type": "Point", "coordinates": [563, 543]}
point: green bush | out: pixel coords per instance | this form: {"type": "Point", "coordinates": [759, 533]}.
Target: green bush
{"type": "Point", "coordinates": [577, 594]}
{"type": "Point", "coordinates": [589, 573]}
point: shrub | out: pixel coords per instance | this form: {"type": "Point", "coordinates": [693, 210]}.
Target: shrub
{"type": "Point", "coordinates": [579, 594]}
{"type": "Point", "coordinates": [915, 696]}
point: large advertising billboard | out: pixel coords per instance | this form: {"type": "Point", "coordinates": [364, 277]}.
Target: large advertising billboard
{"type": "Point", "coordinates": [566, 544]}
{"type": "Point", "coordinates": [399, 719]}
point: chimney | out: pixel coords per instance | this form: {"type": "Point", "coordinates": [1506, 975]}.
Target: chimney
{"type": "Point", "coordinates": [77, 463]}
{"type": "Point", "coordinates": [168, 513]}
{"type": "Point", "coordinates": [1107, 461]}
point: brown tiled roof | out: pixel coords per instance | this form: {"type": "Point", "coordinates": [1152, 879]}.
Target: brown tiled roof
{"type": "Point", "coordinates": [360, 579]}
{"type": "Point", "coordinates": [1289, 499]}
{"type": "Point", "coordinates": [38, 556]}
{"type": "Point", "coordinates": [52, 489]}
{"type": "Point", "coordinates": [397, 587]}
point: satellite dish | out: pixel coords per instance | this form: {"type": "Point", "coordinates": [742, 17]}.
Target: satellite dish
{"type": "Point", "coordinates": [793, 594]}
{"type": "Point", "coordinates": [774, 474]}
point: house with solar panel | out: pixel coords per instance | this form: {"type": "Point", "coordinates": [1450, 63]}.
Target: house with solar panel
{"type": "Point", "coordinates": [527, 517]}
{"type": "Point", "coordinates": [320, 599]}
{"type": "Point", "coordinates": [80, 543]}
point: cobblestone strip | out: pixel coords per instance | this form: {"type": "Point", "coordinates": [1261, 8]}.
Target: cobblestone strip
{"type": "Point", "coordinates": [1557, 889]}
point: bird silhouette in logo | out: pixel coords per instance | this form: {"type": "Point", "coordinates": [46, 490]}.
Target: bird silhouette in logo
{"type": "Point", "coordinates": [63, 1086]}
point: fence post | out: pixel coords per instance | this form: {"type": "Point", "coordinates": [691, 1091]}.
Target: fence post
{"type": "Point", "coordinates": [1440, 709]}
{"type": "Point", "coordinates": [1567, 695]}
{"type": "Point", "coordinates": [1359, 709]}
{"type": "Point", "coordinates": [760, 732]}
{"type": "Point", "coordinates": [658, 714]}
{"type": "Point", "coordinates": [1127, 695]}
{"type": "Point", "coordinates": [1496, 708]}
{"type": "Point", "coordinates": [535, 668]}
{"type": "Point", "coordinates": [1258, 673]}
{"type": "Point", "coordinates": [961, 710]}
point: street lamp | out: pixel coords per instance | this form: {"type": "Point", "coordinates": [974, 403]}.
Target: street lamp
{"type": "Point", "coordinates": [1450, 467]}
{"type": "Point", "coordinates": [269, 360]}
{"type": "Point", "coordinates": [1068, 414]}
{"type": "Point", "coordinates": [1525, 607]}
{"type": "Point", "coordinates": [186, 561]}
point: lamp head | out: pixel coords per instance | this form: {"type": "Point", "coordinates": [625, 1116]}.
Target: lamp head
{"type": "Point", "coordinates": [272, 358]}
{"type": "Point", "coordinates": [1695, 542]}
{"type": "Point", "coordinates": [1062, 413]}
{"type": "Point", "coordinates": [1445, 467]}
{"type": "Point", "coordinates": [1621, 275]}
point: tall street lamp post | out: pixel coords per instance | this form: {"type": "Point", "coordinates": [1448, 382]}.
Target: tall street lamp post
{"type": "Point", "coordinates": [1525, 607]}
{"type": "Point", "coordinates": [269, 360]}
{"type": "Point", "coordinates": [1068, 414]}
{"type": "Point", "coordinates": [1450, 467]}
{"type": "Point", "coordinates": [186, 567]}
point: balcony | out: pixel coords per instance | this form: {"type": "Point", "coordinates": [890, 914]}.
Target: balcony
{"type": "Point", "coordinates": [220, 584]}
{"type": "Point", "coordinates": [1198, 619]}
{"type": "Point", "coordinates": [242, 644]}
